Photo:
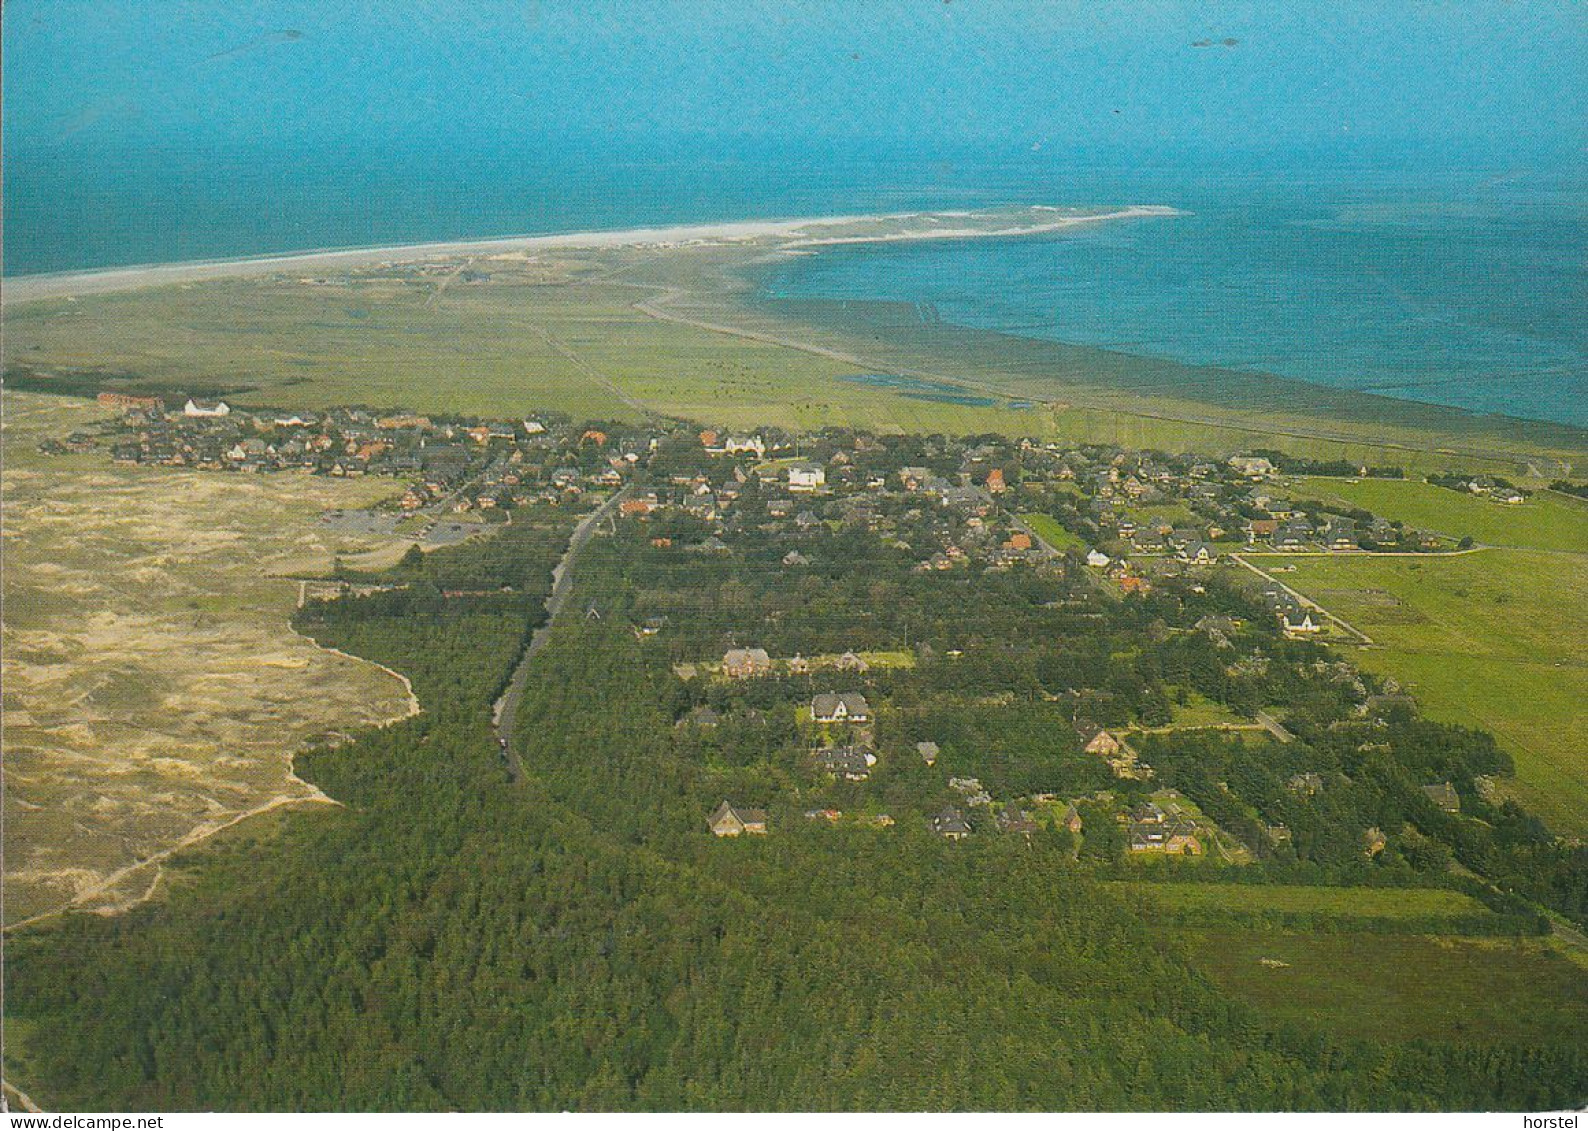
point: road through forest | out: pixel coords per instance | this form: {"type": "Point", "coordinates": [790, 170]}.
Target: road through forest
{"type": "Point", "coordinates": [505, 710]}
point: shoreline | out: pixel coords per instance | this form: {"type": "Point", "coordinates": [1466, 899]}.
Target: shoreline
{"type": "Point", "coordinates": [108, 280]}
{"type": "Point", "coordinates": [1097, 377]}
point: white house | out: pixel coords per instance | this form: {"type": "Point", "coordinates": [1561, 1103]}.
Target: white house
{"type": "Point", "coordinates": [848, 707]}
{"type": "Point", "coordinates": [1297, 620]}
{"type": "Point", "coordinates": [206, 408]}
{"type": "Point", "coordinates": [806, 477]}
{"type": "Point", "coordinates": [737, 444]}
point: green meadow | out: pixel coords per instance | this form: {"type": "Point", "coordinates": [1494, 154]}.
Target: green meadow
{"type": "Point", "coordinates": [512, 347]}
{"type": "Point", "coordinates": [1546, 521]}
{"type": "Point", "coordinates": [1496, 639]}
{"type": "Point", "coordinates": [1398, 987]}
{"type": "Point", "coordinates": [1048, 529]}
{"type": "Point", "coordinates": [1200, 711]}
{"type": "Point", "coordinates": [1343, 902]}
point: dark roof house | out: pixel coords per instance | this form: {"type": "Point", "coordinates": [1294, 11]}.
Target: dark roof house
{"type": "Point", "coordinates": [735, 820]}
{"type": "Point", "coordinates": [850, 707]}
{"type": "Point", "coordinates": [950, 824]}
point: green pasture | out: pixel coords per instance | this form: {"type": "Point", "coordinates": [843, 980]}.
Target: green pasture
{"type": "Point", "coordinates": [1149, 516]}
{"type": "Point", "coordinates": [1496, 639]}
{"type": "Point", "coordinates": [1200, 711]}
{"type": "Point", "coordinates": [1543, 522]}
{"type": "Point", "coordinates": [1048, 529]}
{"type": "Point", "coordinates": [1343, 902]}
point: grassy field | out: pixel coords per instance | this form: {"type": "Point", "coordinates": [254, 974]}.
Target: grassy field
{"type": "Point", "coordinates": [567, 331]}
{"type": "Point", "coordinates": [1200, 711]}
{"type": "Point", "coordinates": [1344, 903]}
{"type": "Point", "coordinates": [1544, 522]}
{"type": "Point", "coordinates": [1153, 515]}
{"type": "Point", "coordinates": [1496, 639]}
{"type": "Point", "coordinates": [152, 684]}
{"type": "Point", "coordinates": [530, 341]}
{"type": "Point", "coordinates": [1048, 529]}
{"type": "Point", "coordinates": [1399, 987]}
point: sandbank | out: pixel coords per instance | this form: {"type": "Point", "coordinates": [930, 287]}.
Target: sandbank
{"type": "Point", "coordinates": [799, 233]}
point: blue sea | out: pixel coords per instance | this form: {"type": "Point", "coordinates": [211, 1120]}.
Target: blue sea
{"type": "Point", "coordinates": [1460, 287]}
{"type": "Point", "coordinates": [1469, 295]}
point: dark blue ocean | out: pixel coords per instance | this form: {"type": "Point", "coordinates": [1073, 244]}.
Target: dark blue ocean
{"type": "Point", "coordinates": [1462, 287]}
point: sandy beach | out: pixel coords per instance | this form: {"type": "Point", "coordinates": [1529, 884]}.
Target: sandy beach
{"type": "Point", "coordinates": [808, 232]}
{"type": "Point", "coordinates": [1134, 212]}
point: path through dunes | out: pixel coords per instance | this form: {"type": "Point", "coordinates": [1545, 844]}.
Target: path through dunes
{"type": "Point", "coordinates": [153, 685]}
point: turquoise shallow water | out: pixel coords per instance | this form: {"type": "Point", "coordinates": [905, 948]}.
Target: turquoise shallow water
{"type": "Point", "coordinates": [1454, 287]}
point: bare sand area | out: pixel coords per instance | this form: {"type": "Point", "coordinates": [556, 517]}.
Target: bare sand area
{"type": "Point", "coordinates": [154, 690]}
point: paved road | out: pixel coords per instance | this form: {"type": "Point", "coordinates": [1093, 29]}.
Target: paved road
{"type": "Point", "coordinates": [505, 711]}
{"type": "Point", "coordinates": [10, 1091]}
{"type": "Point", "coordinates": [1273, 727]}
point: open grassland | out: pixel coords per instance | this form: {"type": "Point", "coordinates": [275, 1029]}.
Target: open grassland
{"type": "Point", "coordinates": [1496, 639]}
{"type": "Point", "coordinates": [620, 332]}
{"type": "Point", "coordinates": [512, 347]}
{"type": "Point", "coordinates": [1346, 903]}
{"type": "Point", "coordinates": [1545, 521]}
{"type": "Point", "coordinates": [1047, 528]}
{"type": "Point", "coordinates": [1199, 711]}
{"type": "Point", "coordinates": [1399, 987]}
{"type": "Point", "coordinates": [384, 341]}
{"type": "Point", "coordinates": [153, 688]}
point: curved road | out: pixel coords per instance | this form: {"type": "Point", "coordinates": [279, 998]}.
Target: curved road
{"type": "Point", "coordinates": [504, 712]}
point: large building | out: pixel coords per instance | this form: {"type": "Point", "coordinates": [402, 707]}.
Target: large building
{"type": "Point", "coordinates": [806, 477]}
